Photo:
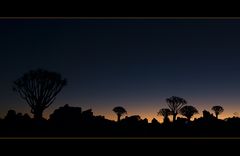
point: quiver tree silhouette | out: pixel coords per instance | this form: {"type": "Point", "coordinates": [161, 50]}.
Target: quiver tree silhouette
{"type": "Point", "coordinates": [39, 88]}
{"type": "Point", "coordinates": [217, 110]}
{"type": "Point", "coordinates": [119, 111]}
{"type": "Point", "coordinates": [188, 111]}
{"type": "Point", "coordinates": [175, 104]}
{"type": "Point", "coordinates": [165, 112]}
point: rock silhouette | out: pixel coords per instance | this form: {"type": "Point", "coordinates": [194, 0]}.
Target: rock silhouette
{"type": "Point", "coordinates": [68, 121]}
{"type": "Point", "coordinates": [40, 87]}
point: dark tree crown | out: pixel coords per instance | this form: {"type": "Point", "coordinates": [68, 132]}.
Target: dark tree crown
{"type": "Point", "coordinates": [39, 88]}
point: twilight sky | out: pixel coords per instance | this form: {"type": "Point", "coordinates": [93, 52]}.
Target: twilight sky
{"type": "Point", "coordinates": [136, 64]}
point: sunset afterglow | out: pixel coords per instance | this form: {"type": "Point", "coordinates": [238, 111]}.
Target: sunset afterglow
{"type": "Point", "coordinates": [136, 64]}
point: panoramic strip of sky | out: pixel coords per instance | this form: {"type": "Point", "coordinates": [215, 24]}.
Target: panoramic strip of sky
{"type": "Point", "coordinates": [136, 64]}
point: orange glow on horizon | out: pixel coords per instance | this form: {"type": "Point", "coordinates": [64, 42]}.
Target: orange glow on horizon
{"type": "Point", "coordinates": [143, 110]}
{"type": "Point", "coordinates": [112, 116]}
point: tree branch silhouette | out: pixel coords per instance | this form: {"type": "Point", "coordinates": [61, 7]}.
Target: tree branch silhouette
{"type": "Point", "coordinates": [39, 88]}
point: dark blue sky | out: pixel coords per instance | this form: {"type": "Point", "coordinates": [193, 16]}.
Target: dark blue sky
{"type": "Point", "coordinates": [133, 63]}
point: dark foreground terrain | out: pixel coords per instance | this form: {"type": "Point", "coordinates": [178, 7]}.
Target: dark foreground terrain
{"type": "Point", "coordinates": [100, 127]}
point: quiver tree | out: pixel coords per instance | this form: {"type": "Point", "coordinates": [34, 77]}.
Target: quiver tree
{"type": "Point", "coordinates": [188, 111]}
{"type": "Point", "coordinates": [119, 111]}
{"type": "Point", "coordinates": [217, 110]}
{"type": "Point", "coordinates": [175, 104]}
{"type": "Point", "coordinates": [39, 88]}
{"type": "Point", "coordinates": [165, 112]}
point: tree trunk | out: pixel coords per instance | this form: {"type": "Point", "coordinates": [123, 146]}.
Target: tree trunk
{"type": "Point", "coordinates": [217, 115]}
{"type": "Point", "coordinates": [118, 117]}
{"type": "Point", "coordinates": [38, 113]}
{"type": "Point", "coordinates": [174, 117]}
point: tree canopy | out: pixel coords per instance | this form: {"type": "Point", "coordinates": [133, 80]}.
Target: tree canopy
{"type": "Point", "coordinates": [39, 88]}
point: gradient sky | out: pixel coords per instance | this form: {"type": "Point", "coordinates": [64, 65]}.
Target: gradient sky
{"type": "Point", "coordinates": [134, 63]}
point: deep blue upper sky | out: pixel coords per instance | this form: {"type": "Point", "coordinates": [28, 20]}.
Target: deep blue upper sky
{"type": "Point", "coordinates": [132, 63]}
